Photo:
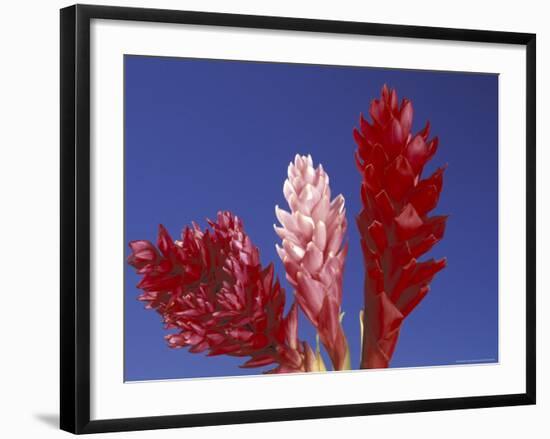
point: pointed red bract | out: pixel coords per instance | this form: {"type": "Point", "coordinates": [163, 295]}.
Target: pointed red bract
{"type": "Point", "coordinates": [211, 290]}
{"type": "Point", "coordinates": [394, 225]}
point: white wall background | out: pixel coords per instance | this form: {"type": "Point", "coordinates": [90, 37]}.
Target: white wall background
{"type": "Point", "coordinates": [29, 206]}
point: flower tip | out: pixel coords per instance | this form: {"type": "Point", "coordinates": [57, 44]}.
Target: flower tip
{"type": "Point", "coordinates": [341, 199]}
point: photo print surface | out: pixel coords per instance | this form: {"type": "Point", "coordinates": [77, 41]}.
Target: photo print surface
{"type": "Point", "coordinates": [293, 218]}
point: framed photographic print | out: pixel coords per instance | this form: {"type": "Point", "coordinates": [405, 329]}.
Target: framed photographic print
{"type": "Point", "coordinates": [285, 218]}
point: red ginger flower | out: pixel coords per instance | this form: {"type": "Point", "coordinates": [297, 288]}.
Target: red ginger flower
{"type": "Point", "coordinates": [394, 224]}
{"type": "Point", "coordinates": [211, 288]}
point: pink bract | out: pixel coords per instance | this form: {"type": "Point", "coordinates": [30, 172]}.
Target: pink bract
{"type": "Point", "coordinates": [313, 252]}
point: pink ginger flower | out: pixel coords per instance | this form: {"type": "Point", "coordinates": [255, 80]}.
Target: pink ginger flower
{"type": "Point", "coordinates": [313, 252]}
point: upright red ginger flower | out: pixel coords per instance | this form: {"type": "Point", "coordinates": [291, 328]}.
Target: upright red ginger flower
{"type": "Point", "coordinates": [394, 224]}
{"type": "Point", "coordinates": [210, 287]}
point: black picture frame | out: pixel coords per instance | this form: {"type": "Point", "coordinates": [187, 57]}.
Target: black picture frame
{"type": "Point", "coordinates": [75, 217]}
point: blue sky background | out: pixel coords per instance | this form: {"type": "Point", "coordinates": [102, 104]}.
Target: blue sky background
{"type": "Point", "coordinates": [207, 135]}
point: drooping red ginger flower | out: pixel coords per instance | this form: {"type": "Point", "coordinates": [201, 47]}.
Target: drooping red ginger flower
{"type": "Point", "coordinates": [212, 290]}
{"type": "Point", "coordinates": [313, 252]}
{"type": "Point", "coordinates": [394, 224]}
